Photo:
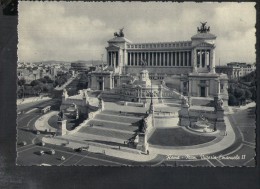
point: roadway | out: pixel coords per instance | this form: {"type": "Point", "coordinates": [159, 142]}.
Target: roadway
{"type": "Point", "coordinates": [243, 122]}
{"type": "Point", "coordinates": [28, 154]}
{"type": "Point", "coordinates": [241, 153]}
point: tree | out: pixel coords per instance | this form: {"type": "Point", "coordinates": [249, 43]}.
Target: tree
{"type": "Point", "coordinates": [43, 80]}
{"type": "Point", "coordinates": [21, 82]}
{"type": "Point", "coordinates": [232, 101]}
{"type": "Point", "coordinates": [248, 94]}
{"type": "Point", "coordinates": [37, 89]}
{"type": "Point", "coordinates": [35, 82]}
{"type": "Point", "coordinates": [239, 93]}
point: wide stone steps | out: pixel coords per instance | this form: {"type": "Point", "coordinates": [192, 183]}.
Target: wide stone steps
{"type": "Point", "coordinates": [120, 119]}
{"type": "Point", "coordinates": [112, 125]}
{"type": "Point", "coordinates": [107, 133]}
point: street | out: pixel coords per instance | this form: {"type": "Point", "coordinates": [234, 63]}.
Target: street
{"type": "Point", "coordinates": [243, 122]}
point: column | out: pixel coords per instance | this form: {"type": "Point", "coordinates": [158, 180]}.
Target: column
{"type": "Point", "coordinates": [206, 58]}
{"type": "Point", "coordinates": [179, 59]}
{"type": "Point", "coordinates": [111, 59]}
{"type": "Point", "coordinates": [175, 58]}
{"type": "Point", "coordinates": [183, 59]}
{"type": "Point", "coordinates": [133, 58]}
{"type": "Point", "coordinates": [168, 59]}
{"type": "Point", "coordinates": [187, 57]}
{"type": "Point", "coordinates": [130, 59]}
{"type": "Point", "coordinates": [172, 58]}
{"type": "Point", "coordinates": [108, 58]}
{"type": "Point", "coordinates": [156, 58]}
{"type": "Point", "coordinates": [151, 58]}
{"type": "Point", "coordinates": [159, 63]}
{"type": "Point", "coordinates": [212, 61]}
{"type": "Point", "coordinates": [163, 57]}
{"type": "Point", "coordinates": [194, 59]}
{"type": "Point", "coordinates": [200, 58]}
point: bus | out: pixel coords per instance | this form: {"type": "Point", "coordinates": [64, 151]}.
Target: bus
{"type": "Point", "coordinates": [46, 109]}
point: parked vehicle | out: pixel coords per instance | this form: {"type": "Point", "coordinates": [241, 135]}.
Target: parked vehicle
{"type": "Point", "coordinates": [51, 152]}
{"type": "Point", "coordinates": [41, 152]}
{"type": "Point", "coordinates": [23, 143]}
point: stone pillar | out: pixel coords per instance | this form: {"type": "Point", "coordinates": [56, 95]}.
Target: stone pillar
{"type": "Point", "coordinates": [184, 114]}
{"type": "Point", "coordinates": [220, 123]}
{"type": "Point", "coordinates": [103, 84]}
{"type": "Point", "coordinates": [194, 59]}
{"type": "Point", "coordinates": [187, 57]}
{"type": "Point", "coordinates": [134, 59]}
{"type": "Point", "coordinates": [111, 59]}
{"type": "Point", "coordinates": [62, 128]}
{"type": "Point", "coordinates": [159, 63]}
{"type": "Point", "coordinates": [156, 58]}
{"type": "Point", "coordinates": [131, 59]}
{"type": "Point", "coordinates": [142, 142]}
{"type": "Point", "coordinates": [206, 58]}
{"type": "Point", "coordinates": [175, 58]}
{"type": "Point", "coordinates": [137, 59]}
{"type": "Point", "coordinates": [213, 61]}
{"type": "Point", "coordinates": [152, 61]}
{"type": "Point", "coordinates": [200, 58]}
{"type": "Point", "coordinates": [171, 58]}
{"type": "Point", "coordinates": [149, 59]}
{"type": "Point", "coordinates": [183, 58]}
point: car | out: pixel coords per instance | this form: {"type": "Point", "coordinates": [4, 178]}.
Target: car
{"type": "Point", "coordinates": [78, 150]}
{"type": "Point", "coordinates": [44, 164]}
{"type": "Point", "coordinates": [37, 132]}
{"type": "Point", "coordinates": [42, 144]}
{"type": "Point", "coordinates": [23, 143]}
{"type": "Point", "coordinates": [41, 152]}
{"type": "Point", "coordinates": [51, 152]}
{"type": "Point", "coordinates": [62, 158]}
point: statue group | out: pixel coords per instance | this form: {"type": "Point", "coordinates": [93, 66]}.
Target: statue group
{"type": "Point", "coordinates": [120, 34]}
{"type": "Point", "coordinates": [203, 28]}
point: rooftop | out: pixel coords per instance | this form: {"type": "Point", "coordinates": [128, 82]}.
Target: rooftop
{"type": "Point", "coordinates": [204, 36]}
{"type": "Point", "coordinates": [119, 39]}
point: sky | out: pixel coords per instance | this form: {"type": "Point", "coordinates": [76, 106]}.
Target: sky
{"type": "Point", "coordinates": [71, 31]}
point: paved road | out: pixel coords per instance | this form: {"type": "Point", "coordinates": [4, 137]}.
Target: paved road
{"type": "Point", "coordinates": [243, 122]}
{"type": "Point", "coordinates": [241, 153]}
{"type": "Point", "coordinates": [28, 155]}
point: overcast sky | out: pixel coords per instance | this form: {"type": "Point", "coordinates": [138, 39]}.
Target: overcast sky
{"type": "Point", "coordinates": [71, 31]}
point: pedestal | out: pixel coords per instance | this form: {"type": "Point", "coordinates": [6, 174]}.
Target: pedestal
{"type": "Point", "coordinates": [184, 116]}
{"type": "Point", "coordinates": [142, 143]}
{"type": "Point", "coordinates": [62, 128]}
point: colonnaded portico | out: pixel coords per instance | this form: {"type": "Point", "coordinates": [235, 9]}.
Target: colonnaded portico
{"type": "Point", "coordinates": [185, 66]}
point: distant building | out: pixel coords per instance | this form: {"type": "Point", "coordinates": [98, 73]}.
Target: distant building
{"type": "Point", "coordinates": [235, 70]}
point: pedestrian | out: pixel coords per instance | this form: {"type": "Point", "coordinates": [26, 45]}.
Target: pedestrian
{"type": "Point", "coordinates": [119, 147]}
{"type": "Point", "coordinates": [148, 152]}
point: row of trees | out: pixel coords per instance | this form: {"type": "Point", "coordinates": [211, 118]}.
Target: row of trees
{"type": "Point", "coordinates": [35, 88]}
{"type": "Point", "coordinates": [61, 78]}
{"type": "Point", "coordinates": [243, 90]}
{"type": "Point", "coordinates": [42, 85]}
